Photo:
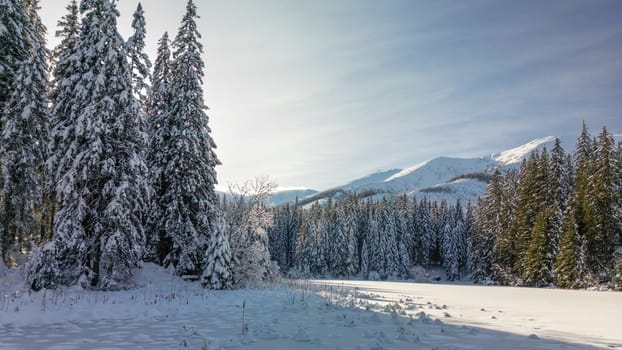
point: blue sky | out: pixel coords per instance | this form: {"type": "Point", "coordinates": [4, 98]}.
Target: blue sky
{"type": "Point", "coordinates": [317, 93]}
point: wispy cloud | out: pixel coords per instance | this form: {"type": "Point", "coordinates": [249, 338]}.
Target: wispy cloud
{"type": "Point", "coordinates": [316, 93]}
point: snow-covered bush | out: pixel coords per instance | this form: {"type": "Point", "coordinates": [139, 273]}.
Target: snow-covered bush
{"type": "Point", "coordinates": [247, 221]}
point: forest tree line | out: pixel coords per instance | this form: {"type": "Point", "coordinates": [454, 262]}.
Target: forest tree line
{"type": "Point", "coordinates": [554, 221]}
{"type": "Point", "coordinates": [106, 160]}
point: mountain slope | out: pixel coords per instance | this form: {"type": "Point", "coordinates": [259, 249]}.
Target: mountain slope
{"type": "Point", "coordinates": [437, 179]}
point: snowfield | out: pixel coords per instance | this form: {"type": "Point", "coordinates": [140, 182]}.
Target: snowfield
{"type": "Point", "coordinates": [575, 317]}
{"type": "Point", "coordinates": [168, 313]}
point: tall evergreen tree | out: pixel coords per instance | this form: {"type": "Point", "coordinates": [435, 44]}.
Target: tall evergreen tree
{"type": "Point", "coordinates": [531, 197]}
{"type": "Point", "coordinates": [24, 140]}
{"type": "Point", "coordinates": [217, 260]}
{"type": "Point", "coordinates": [584, 159]}
{"type": "Point", "coordinates": [570, 263]}
{"type": "Point", "coordinates": [140, 62]}
{"type": "Point", "coordinates": [604, 230]}
{"type": "Point", "coordinates": [424, 233]}
{"type": "Point", "coordinates": [65, 75]}
{"type": "Point", "coordinates": [537, 272]}
{"type": "Point", "coordinates": [482, 239]}
{"type": "Point", "coordinates": [187, 200]}
{"type": "Point", "coordinates": [345, 231]}
{"type": "Point", "coordinates": [101, 190]}
{"type": "Point", "coordinates": [158, 113]}
{"type": "Point", "coordinates": [14, 44]}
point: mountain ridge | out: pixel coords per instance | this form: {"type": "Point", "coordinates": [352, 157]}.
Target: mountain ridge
{"type": "Point", "coordinates": [439, 178]}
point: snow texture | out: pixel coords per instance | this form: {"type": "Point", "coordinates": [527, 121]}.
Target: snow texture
{"type": "Point", "coordinates": [168, 313]}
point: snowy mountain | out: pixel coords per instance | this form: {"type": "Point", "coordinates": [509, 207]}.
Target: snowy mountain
{"type": "Point", "coordinates": [436, 179]}
{"type": "Point", "coordinates": [516, 155]}
{"type": "Point", "coordinates": [284, 195]}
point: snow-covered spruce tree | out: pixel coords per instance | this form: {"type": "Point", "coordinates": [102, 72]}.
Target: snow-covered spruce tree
{"type": "Point", "coordinates": [344, 248]}
{"type": "Point", "coordinates": [537, 272]}
{"type": "Point", "coordinates": [317, 254]}
{"type": "Point", "coordinates": [453, 247]}
{"type": "Point", "coordinates": [217, 260]}
{"type": "Point", "coordinates": [603, 202]}
{"type": "Point", "coordinates": [362, 223]}
{"type": "Point", "coordinates": [388, 240]}
{"type": "Point", "coordinates": [302, 260]}
{"type": "Point", "coordinates": [190, 216]}
{"type": "Point", "coordinates": [425, 233]}
{"type": "Point", "coordinates": [24, 140]}
{"type": "Point", "coordinates": [559, 188]}
{"type": "Point", "coordinates": [65, 74]}
{"type": "Point", "coordinates": [504, 254]}
{"type": "Point", "coordinates": [140, 63]}
{"type": "Point", "coordinates": [282, 235]}
{"type": "Point", "coordinates": [482, 239]}
{"type": "Point", "coordinates": [101, 193]}
{"type": "Point", "coordinates": [327, 232]}
{"type": "Point", "coordinates": [584, 164]}
{"type": "Point", "coordinates": [376, 249]}
{"type": "Point", "coordinates": [22, 153]}
{"type": "Point", "coordinates": [404, 236]}
{"type": "Point", "coordinates": [158, 111]}
{"type": "Point", "coordinates": [570, 262]}
{"type": "Point", "coordinates": [14, 44]}
{"type": "Point", "coordinates": [60, 262]}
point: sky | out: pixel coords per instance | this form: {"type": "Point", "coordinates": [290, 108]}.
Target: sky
{"type": "Point", "coordinates": [317, 93]}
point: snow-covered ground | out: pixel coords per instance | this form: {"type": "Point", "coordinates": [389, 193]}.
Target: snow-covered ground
{"type": "Point", "coordinates": [572, 317]}
{"type": "Point", "coordinates": [168, 313]}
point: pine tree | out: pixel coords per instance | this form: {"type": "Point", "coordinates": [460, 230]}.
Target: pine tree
{"type": "Point", "coordinates": [584, 159]}
{"type": "Point", "coordinates": [570, 262]}
{"type": "Point", "coordinates": [217, 260]}
{"type": "Point", "coordinates": [101, 191]}
{"type": "Point", "coordinates": [404, 237]}
{"type": "Point", "coordinates": [482, 238]}
{"type": "Point", "coordinates": [531, 199]}
{"type": "Point", "coordinates": [14, 44]}
{"type": "Point", "coordinates": [604, 230]}
{"type": "Point", "coordinates": [388, 239]}
{"type": "Point", "coordinates": [22, 150]}
{"type": "Point", "coordinates": [24, 139]}
{"type": "Point", "coordinates": [65, 74]}
{"type": "Point", "coordinates": [139, 60]}
{"type": "Point", "coordinates": [537, 272]}
{"type": "Point", "coordinates": [316, 247]}
{"type": "Point", "coordinates": [376, 248]}
{"type": "Point", "coordinates": [345, 231]}
{"type": "Point", "coordinates": [449, 251]}
{"type": "Point", "coordinates": [292, 226]}
{"type": "Point", "coordinates": [304, 240]}
{"type": "Point", "coordinates": [327, 231]}
{"type": "Point", "coordinates": [187, 201]}
{"type": "Point", "coordinates": [158, 112]}
{"type": "Point", "coordinates": [454, 244]}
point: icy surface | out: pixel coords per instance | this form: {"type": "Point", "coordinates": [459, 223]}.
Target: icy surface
{"type": "Point", "coordinates": [168, 313]}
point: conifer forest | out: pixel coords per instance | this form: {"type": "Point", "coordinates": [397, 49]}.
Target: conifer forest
{"type": "Point", "coordinates": [108, 161]}
{"type": "Point", "coordinates": [124, 226]}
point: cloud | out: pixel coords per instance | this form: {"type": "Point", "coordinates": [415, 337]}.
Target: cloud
{"type": "Point", "coordinates": [317, 93]}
